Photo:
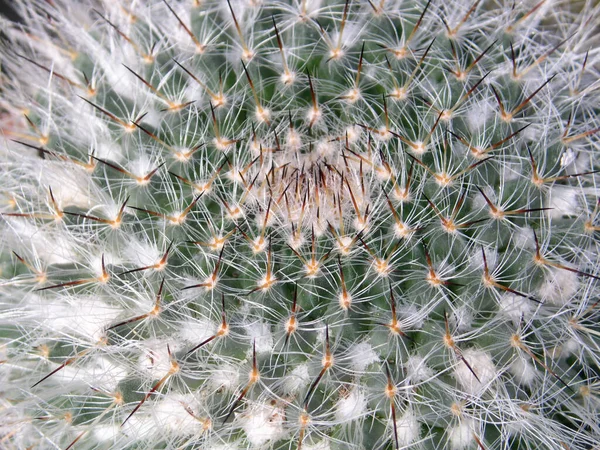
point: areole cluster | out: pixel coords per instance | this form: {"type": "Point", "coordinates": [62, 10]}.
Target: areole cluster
{"type": "Point", "coordinates": [303, 224]}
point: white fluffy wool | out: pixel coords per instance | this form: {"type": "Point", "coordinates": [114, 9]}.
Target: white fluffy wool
{"type": "Point", "coordinates": [103, 373]}
{"type": "Point", "coordinates": [106, 432]}
{"type": "Point", "coordinates": [461, 435]}
{"type": "Point", "coordinates": [461, 319]}
{"type": "Point", "coordinates": [564, 201]}
{"type": "Point", "coordinates": [224, 447]}
{"type": "Point", "coordinates": [197, 331]}
{"type": "Point", "coordinates": [361, 356]}
{"type": "Point", "coordinates": [116, 73]}
{"type": "Point", "coordinates": [417, 369]}
{"type": "Point", "coordinates": [142, 253]}
{"type": "Point", "coordinates": [523, 238]}
{"type": "Point", "coordinates": [263, 423]}
{"type": "Point", "coordinates": [109, 151]}
{"type": "Point", "coordinates": [153, 118]}
{"type": "Point", "coordinates": [479, 201]}
{"type": "Point", "coordinates": [170, 414]}
{"type": "Point", "coordinates": [51, 246]}
{"type": "Point", "coordinates": [411, 317]}
{"type": "Point", "coordinates": [559, 286]}
{"type": "Point", "coordinates": [71, 185]}
{"type": "Point", "coordinates": [321, 445]}
{"type": "Point", "coordinates": [296, 380]}
{"type": "Point", "coordinates": [571, 347]}
{"type": "Point", "coordinates": [225, 376]}
{"type": "Point", "coordinates": [514, 307]}
{"type": "Point", "coordinates": [97, 372]}
{"type": "Point", "coordinates": [154, 359]}
{"type": "Point", "coordinates": [95, 259]}
{"type": "Point", "coordinates": [482, 364]}
{"type": "Point", "coordinates": [260, 333]}
{"type": "Point", "coordinates": [568, 157]}
{"type": "Point", "coordinates": [478, 115]}
{"type": "Point", "coordinates": [84, 316]}
{"type": "Point", "coordinates": [561, 352]}
{"type": "Point", "coordinates": [523, 371]}
{"type": "Point", "coordinates": [351, 406]}
{"type": "Point", "coordinates": [140, 426]}
{"type": "Point", "coordinates": [408, 429]}
{"type": "Point", "coordinates": [476, 259]}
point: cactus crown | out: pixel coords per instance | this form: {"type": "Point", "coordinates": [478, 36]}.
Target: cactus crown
{"type": "Point", "coordinates": [306, 224]}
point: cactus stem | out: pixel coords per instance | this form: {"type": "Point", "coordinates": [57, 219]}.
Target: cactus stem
{"type": "Point", "coordinates": [68, 362]}
{"type": "Point", "coordinates": [141, 180]}
{"type": "Point", "coordinates": [223, 329]}
{"type": "Point", "coordinates": [326, 364]}
{"type": "Point", "coordinates": [511, 28]}
{"type": "Point", "coordinates": [575, 90]}
{"type": "Point", "coordinates": [452, 32]}
{"type": "Point", "coordinates": [489, 282]}
{"type": "Point", "coordinates": [451, 344]}
{"type": "Point", "coordinates": [200, 48]}
{"type": "Point", "coordinates": [247, 53]}
{"type": "Point", "coordinates": [159, 266]}
{"type": "Point", "coordinates": [517, 343]}
{"type": "Point", "coordinates": [253, 378]}
{"type": "Point", "coordinates": [174, 368]}
{"type": "Point", "coordinates": [53, 73]}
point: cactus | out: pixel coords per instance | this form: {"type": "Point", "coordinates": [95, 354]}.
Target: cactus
{"type": "Point", "coordinates": [302, 224]}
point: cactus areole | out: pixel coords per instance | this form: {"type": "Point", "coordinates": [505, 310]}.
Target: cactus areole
{"type": "Point", "coordinates": [300, 224]}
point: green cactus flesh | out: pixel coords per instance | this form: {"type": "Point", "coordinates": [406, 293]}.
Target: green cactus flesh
{"type": "Point", "coordinates": [300, 225]}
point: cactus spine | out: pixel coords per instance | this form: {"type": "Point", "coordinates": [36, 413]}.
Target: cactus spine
{"type": "Point", "coordinates": [300, 224]}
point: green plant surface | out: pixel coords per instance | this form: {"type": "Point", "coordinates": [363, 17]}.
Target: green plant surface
{"type": "Point", "coordinates": [303, 224]}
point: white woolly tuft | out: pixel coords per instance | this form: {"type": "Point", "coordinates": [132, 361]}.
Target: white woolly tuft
{"type": "Point", "coordinates": [84, 316]}
{"type": "Point", "coordinates": [461, 435]}
{"type": "Point", "coordinates": [482, 364]}
{"type": "Point", "coordinates": [351, 406]}
{"type": "Point", "coordinates": [559, 286]}
{"type": "Point", "coordinates": [154, 360]}
{"type": "Point", "coordinates": [106, 432]}
{"type": "Point", "coordinates": [263, 423]}
{"type": "Point", "coordinates": [408, 429]}
{"type": "Point", "coordinates": [321, 445]}
{"type": "Point", "coordinates": [515, 307]}
{"type": "Point", "coordinates": [179, 414]}
{"type": "Point", "coordinates": [260, 334]}
{"type": "Point", "coordinates": [51, 247]}
{"type": "Point", "coordinates": [197, 331]}
{"type": "Point", "coordinates": [523, 371]}
{"type": "Point", "coordinates": [417, 369]}
{"type": "Point", "coordinates": [296, 380]}
{"type": "Point", "coordinates": [563, 201]}
{"type": "Point", "coordinates": [361, 356]}
{"type": "Point", "coordinates": [224, 376]}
